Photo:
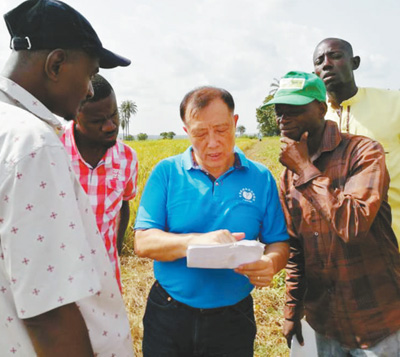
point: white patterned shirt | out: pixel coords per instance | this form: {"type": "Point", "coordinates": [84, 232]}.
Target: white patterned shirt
{"type": "Point", "coordinates": [50, 251]}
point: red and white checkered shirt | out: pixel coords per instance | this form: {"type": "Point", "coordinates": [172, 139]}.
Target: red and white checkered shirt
{"type": "Point", "coordinates": [112, 181]}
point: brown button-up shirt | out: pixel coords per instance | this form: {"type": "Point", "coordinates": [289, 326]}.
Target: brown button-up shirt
{"type": "Point", "coordinates": [344, 266]}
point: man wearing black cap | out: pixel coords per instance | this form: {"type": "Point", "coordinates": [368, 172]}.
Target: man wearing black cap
{"type": "Point", "coordinates": [58, 294]}
{"type": "Point", "coordinates": [343, 272]}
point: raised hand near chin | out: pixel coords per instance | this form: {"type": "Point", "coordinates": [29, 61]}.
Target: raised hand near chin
{"type": "Point", "coordinates": [294, 154]}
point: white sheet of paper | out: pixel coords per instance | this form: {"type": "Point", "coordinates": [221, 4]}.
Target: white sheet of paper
{"type": "Point", "coordinates": [310, 346]}
{"type": "Point", "coordinates": [224, 256]}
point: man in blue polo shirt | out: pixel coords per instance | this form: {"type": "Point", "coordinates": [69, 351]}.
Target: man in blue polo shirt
{"type": "Point", "coordinates": [210, 194]}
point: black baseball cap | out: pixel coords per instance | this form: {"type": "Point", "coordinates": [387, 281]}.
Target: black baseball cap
{"type": "Point", "coordinates": [51, 24]}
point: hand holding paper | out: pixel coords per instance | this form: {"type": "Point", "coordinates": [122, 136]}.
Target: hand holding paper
{"type": "Point", "coordinates": [261, 272]}
{"type": "Point", "coordinates": [216, 237]}
{"type": "Point", "coordinates": [224, 256]}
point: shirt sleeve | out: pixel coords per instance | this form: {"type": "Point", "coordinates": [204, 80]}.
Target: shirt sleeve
{"type": "Point", "coordinates": [152, 212]}
{"type": "Point", "coordinates": [131, 185]}
{"type": "Point", "coordinates": [295, 268]}
{"type": "Point", "coordinates": [47, 257]}
{"type": "Point", "coordinates": [350, 208]}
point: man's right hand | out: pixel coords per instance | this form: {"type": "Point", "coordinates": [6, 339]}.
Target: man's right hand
{"type": "Point", "coordinates": [166, 246]}
{"type": "Point", "coordinates": [294, 154]}
{"type": "Point", "coordinates": [291, 328]}
{"type": "Point", "coordinates": [216, 237]}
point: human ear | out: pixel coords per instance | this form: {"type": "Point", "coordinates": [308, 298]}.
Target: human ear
{"type": "Point", "coordinates": [54, 62]}
{"type": "Point", "coordinates": [236, 117]}
{"type": "Point", "coordinates": [323, 109]}
{"type": "Point", "coordinates": [355, 62]}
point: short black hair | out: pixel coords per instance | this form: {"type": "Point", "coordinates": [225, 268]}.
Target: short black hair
{"type": "Point", "coordinates": [346, 46]}
{"type": "Point", "coordinates": [101, 87]}
{"type": "Point", "coordinates": [202, 96]}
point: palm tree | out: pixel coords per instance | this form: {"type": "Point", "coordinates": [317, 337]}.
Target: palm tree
{"type": "Point", "coordinates": [126, 108]}
{"type": "Point", "coordinates": [274, 86]}
{"type": "Point", "coordinates": [122, 121]}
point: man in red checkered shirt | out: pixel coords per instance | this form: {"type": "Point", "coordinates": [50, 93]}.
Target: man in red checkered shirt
{"type": "Point", "coordinates": [107, 168]}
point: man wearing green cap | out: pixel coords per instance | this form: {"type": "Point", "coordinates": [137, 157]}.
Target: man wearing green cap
{"type": "Point", "coordinates": [343, 273]}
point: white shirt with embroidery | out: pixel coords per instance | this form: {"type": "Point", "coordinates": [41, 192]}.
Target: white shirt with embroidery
{"type": "Point", "coordinates": [50, 251]}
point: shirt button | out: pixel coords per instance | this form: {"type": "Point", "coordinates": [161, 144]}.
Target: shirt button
{"type": "Point", "coordinates": [316, 234]}
{"type": "Point", "coordinates": [169, 298]}
{"type": "Point", "coordinates": [217, 183]}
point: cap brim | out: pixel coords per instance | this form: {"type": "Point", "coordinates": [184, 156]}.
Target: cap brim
{"type": "Point", "coordinates": [292, 99]}
{"type": "Point", "coordinates": [108, 59]}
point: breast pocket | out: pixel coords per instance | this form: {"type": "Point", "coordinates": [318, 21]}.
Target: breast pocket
{"type": "Point", "coordinates": [113, 199]}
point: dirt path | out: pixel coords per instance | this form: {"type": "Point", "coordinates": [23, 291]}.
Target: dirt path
{"type": "Point", "coordinates": [267, 152]}
{"type": "Point", "coordinates": [256, 151]}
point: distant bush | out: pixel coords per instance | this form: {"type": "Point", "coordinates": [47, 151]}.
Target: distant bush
{"type": "Point", "coordinates": [167, 135]}
{"type": "Point", "coordinates": [142, 136]}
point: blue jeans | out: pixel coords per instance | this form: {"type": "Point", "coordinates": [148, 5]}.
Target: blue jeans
{"type": "Point", "coordinates": [389, 347]}
{"type": "Point", "coordinates": [173, 329]}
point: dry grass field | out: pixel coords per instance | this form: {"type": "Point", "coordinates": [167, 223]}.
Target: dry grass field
{"type": "Point", "coordinates": [137, 273]}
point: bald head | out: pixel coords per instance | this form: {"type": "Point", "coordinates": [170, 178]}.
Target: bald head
{"type": "Point", "coordinates": [344, 45]}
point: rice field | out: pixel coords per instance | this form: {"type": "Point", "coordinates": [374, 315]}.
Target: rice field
{"type": "Point", "coordinates": [137, 273]}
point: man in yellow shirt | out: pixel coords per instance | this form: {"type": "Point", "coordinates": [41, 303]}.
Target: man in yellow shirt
{"type": "Point", "coordinates": [370, 112]}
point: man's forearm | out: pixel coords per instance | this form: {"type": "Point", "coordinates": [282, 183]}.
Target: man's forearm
{"type": "Point", "coordinates": [279, 255]}
{"type": "Point", "coordinates": [159, 245]}
{"type": "Point", "coordinates": [165, 246]}
{"type": "Point", "coordinates": [60, 332]}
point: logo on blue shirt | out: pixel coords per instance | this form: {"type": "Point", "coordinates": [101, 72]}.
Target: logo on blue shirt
{"type": "Point", "coordinates": [247, 195]}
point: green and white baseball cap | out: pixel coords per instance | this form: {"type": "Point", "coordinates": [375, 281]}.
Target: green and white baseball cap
{"type": "Point", "coordinates": [299, 88]}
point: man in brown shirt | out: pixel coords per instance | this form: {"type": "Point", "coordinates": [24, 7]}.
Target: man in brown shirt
{"type": "Point", "coordinates": [343, 272]}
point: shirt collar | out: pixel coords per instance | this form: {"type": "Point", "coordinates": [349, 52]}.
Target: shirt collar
{"type": "Point", "coordinates": [110, 158]}
{"type": "Point", "coordinates": [21, 98]}
{"type": "Point", "coordinates": [353, 100]}
{"type": "Point", "coordinates": [70, 136]}
{"type": "Point", "coordinates": [331, 139]}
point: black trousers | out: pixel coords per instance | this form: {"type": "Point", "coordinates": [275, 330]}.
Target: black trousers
{"type": "Point", "coordinates": [174, 329]}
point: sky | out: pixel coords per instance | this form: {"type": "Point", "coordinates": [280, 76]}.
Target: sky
{"type": "Point", "coordinates": [239, 45]}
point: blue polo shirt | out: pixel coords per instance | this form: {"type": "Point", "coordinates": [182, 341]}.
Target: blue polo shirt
{"type": "Point", "coordinates": [181, 198]}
